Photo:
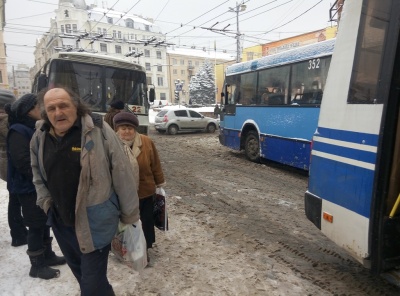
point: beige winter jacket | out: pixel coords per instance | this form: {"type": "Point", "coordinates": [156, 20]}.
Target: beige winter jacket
{"type": "Point", "coordinates": [106, 192]}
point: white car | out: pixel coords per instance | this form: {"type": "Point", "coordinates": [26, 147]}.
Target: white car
{"type": "Point", "coordinates": [173, 121]}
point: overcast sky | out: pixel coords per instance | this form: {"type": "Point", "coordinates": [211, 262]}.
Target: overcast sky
{"type": "Point", "coordinates": [183, 21]}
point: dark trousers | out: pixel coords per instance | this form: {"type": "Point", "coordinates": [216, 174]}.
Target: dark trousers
{"type": "Point", "coordinates": [18, 230]}
{"type": "Point", "coordinates": [35, 219]}
{"type": "Point", "coordinates": [89, 269]}
{"type": "Point", "coordinates": [146, 207]}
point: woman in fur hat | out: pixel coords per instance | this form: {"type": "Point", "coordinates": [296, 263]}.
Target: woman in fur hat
{"type": "Point", "coordinates": [143, 155]}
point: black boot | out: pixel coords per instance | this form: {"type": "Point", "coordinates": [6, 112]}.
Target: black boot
{"type": "Point", "coordinates": [51, 259]}
{"type": "Point", "coordinates": [39, 269]}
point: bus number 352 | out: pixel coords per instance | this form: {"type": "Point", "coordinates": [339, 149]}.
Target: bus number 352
{"type": "Point", "coordinates": [313, 64]}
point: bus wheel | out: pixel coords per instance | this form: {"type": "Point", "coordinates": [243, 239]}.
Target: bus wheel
{"type": "Point", "coordinates": [252, 146]}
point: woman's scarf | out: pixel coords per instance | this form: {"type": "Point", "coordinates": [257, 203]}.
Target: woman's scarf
{"type": "Point", "coordinates": [132, 154]}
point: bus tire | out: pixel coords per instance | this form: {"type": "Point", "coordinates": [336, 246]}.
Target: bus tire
{"type": "Point", "coordinates": [173, 129]}
{"type": "Point", "coordinates": [252, 146]}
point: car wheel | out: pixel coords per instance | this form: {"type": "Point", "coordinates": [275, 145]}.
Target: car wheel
{"type": "Point", "coordinates": [211, 128]}
{"type": "Point", "coordinates": [173, 129]}
{"type": "Point", "coordinates": [252, 146]}
{"type": "Point", "coordinates": [161, 131]}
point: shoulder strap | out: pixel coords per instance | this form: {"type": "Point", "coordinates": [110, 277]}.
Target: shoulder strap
{"type": "Point", "coordinates": [97, 119]}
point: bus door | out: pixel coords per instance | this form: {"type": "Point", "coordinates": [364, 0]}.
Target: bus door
{"type": "Point", "coordinates": [385, 211]}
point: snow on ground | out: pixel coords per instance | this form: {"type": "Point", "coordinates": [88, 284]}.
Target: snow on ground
{"type": "Point", "coordinates": [15, 265]}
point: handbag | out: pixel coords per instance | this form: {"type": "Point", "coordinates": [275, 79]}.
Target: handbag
{"type": "Point", "coordinates": [129, 245]}
{"type": "Point", "coordinates": [160, 209]}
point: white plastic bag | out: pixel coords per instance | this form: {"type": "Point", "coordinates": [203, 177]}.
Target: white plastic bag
{"type": "Point", "coordinates": [129, 245]}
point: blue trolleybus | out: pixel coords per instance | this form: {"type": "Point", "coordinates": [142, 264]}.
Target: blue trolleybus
{"type": "Point", "coordinates": [354, 177]}
{"type": "Point", "coordinates": [271, 105]}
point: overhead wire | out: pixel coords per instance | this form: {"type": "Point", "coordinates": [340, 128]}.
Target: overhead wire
{"type": "Point", "coordinates": [234, 32]}
{"type": "Point", "coordinates": [119, 18]}
{"type": "Point", "coordinates": [161, 10]}
{"type": "Point", "coordinates": [199, 16]}
{"type": "Point", "coordinates": [295, 17]}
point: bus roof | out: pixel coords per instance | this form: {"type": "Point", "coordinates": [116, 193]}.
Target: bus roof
{"type": "Point", "coordinates": [98, 59]}
{"type": "Point", "coordinates": [315, 50]}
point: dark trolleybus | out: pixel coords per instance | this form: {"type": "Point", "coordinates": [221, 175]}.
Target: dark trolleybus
{"type": "Point", "coordinates": [99, 80]}
{"type": "Point", "coordinates": [271, 105]}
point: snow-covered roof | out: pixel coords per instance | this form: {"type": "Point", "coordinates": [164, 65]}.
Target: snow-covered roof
{"type": "Point", "coordinates": [117, 15]}
{"type": "Point", "coordinates": [77, 3]}
{"type": "Point", "coordinates": [315, 50]}
{"type": "Point", "coordinates": [211, 54]}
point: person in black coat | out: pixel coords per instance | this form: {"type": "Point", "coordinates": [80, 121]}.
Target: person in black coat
{"type": "Point", "coordinates": [22, 116]}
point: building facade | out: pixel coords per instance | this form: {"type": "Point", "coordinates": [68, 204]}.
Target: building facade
{"type": "Point", "coordinates": [183, 64]}
{"type": "Point", "coordinates": [3, 60]}
{"type": "Point", "coordinates": [299, 40]}
{"type": "Point", "coordinates": [20, 80]}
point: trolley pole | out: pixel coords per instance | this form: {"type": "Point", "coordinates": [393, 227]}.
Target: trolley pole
{"type": "Point", "coordinates": [238, 8]}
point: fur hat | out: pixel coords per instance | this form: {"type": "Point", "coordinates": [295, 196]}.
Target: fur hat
{"type": "Point", "coordinates": [117, 105]}
{"type": "Point", "coordinates": [23, 105]}
{"type": "Point", "coordinates": [125, 118]}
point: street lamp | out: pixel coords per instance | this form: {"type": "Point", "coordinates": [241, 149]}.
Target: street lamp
{"type": "Point", "coordinates": [238, 8]}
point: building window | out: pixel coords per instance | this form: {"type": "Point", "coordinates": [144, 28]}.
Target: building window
{"type": "Point", "coordinates": [62, 29]}
{"type": "Point", "coordinates": [119, 35]}
{"type": "Point", "coordinates": [189, 63]}
{"type": "Point", "coordinates": [1, 77]}
{"type": "Point", "coordinates": [104, 32]}
{"type": "Point", "coordinates": [99, 31]}
{"type": "Point", "coordinates": [74, 28]}
{"type": "Point", "coordinates": [163, 96]}
{"type": "Point", "coordinates": [148, 67]}
{"type": "Point", "coordinates": [158, 54]}
{"type": "Point", "coordinates": [147, 53]}
{"type": "Point", "coordinates": [68, 28]}
{"type": "Point", "coordinates": [159, 68]}
{"type": "Point", "coordinates": [147, 27]}
{"type": "Point", "coordinates": [149, 81]}
{"type": "Point", "coordinates": [129, 23]}
{"type": "Point", "coordinates": [103, 47]}
{"type": "Point", "coordinates": [182, 72]}
{"type": "Point", "coordinates": [160, 81]}
{"type": "Point", "coordinates": [114, 34]}
{"type": "Point", "coordinates": [174, 61]}
{"type": "Point", "coordinates": [109, 20]}
{"type": "Point", "coordinates": [131, 49]}
{"type": "Point", "coordinates": [118, 49]}
{"type": "Point", "coordinates": [182, 62]}
{"type": "Point", "coordinates": [175, 71]}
